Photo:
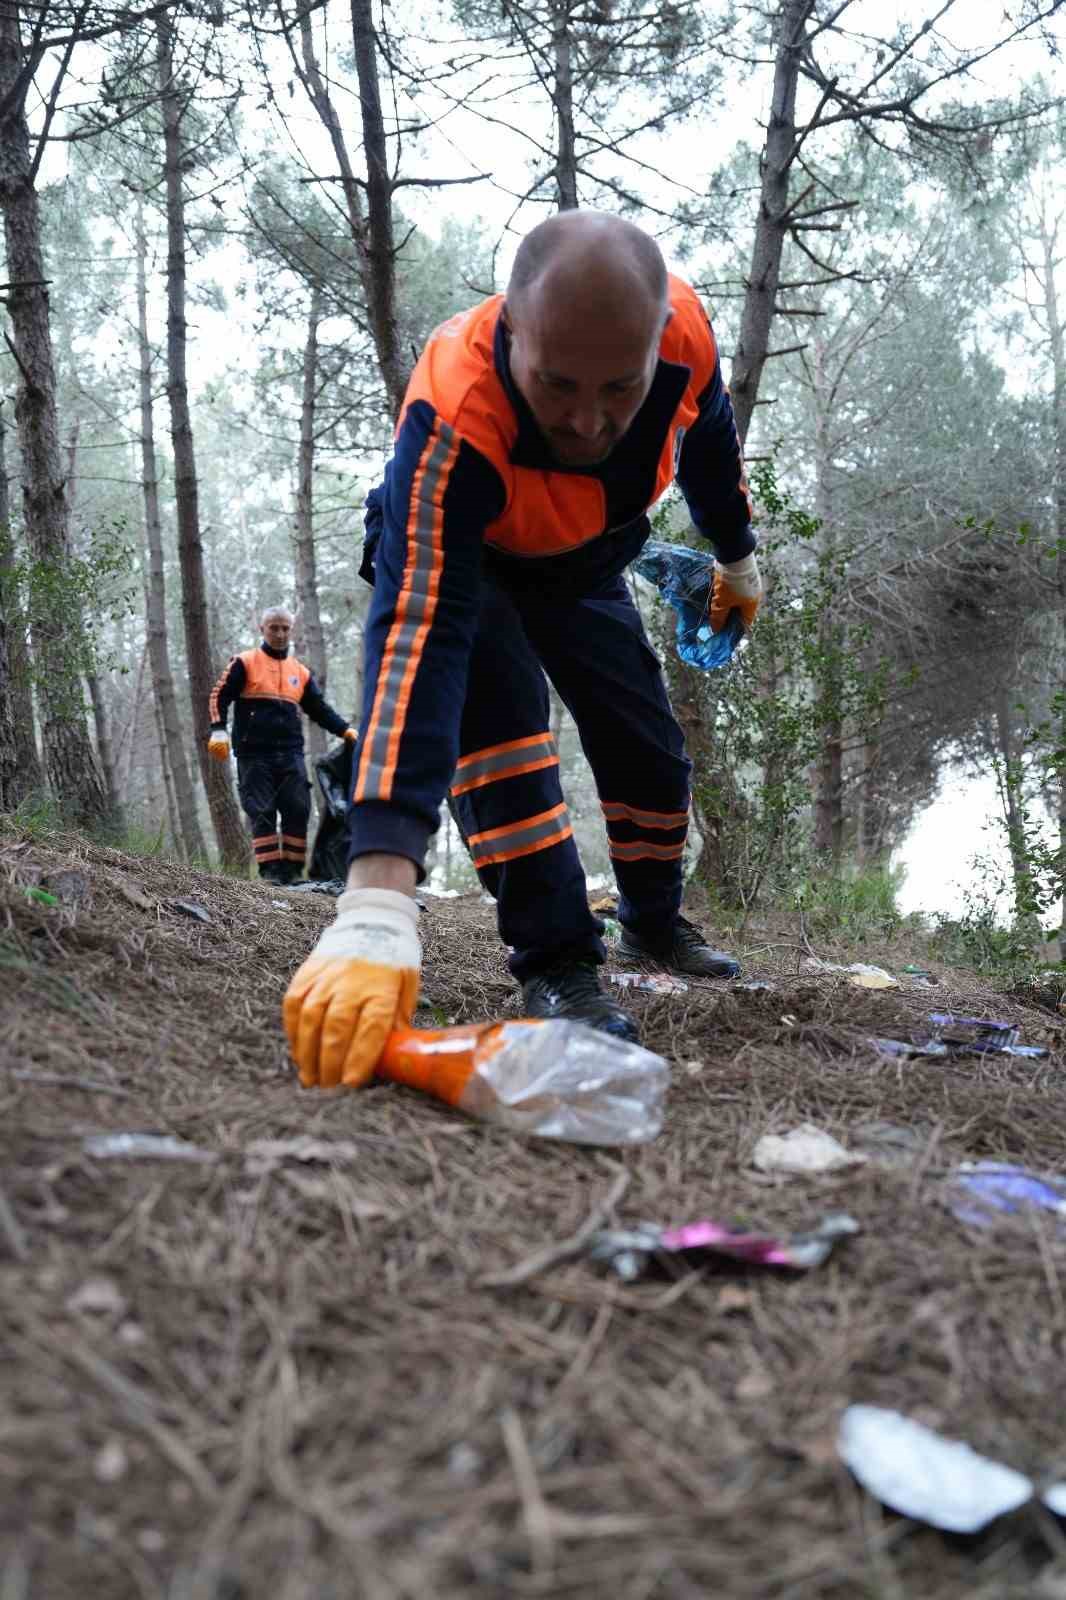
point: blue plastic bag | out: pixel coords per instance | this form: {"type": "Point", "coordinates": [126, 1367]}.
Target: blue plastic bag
{"type": "Point", "coordinates": [684, 578]}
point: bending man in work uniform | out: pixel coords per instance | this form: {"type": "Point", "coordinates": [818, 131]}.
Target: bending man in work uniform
{"type": "Point", "coordinates": [270, 688]}
{"type": "Point", "coordinates": [537, 430]}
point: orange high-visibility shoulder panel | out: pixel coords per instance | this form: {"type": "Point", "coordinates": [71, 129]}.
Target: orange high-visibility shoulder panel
{"type": "Point", "coordinates": [268, 679]}
{"type": "Point", "coordinates": [546, 513]}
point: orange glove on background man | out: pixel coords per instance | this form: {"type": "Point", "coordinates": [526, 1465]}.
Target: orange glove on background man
{"type": "Point", "coordinates": [218, 745]}
{"type": "Point", "coordinates": [737, 587]}
{"type": "Point", "coordinates": [350, 736]}
{"type": "Point", "coordinates": [359, 982]}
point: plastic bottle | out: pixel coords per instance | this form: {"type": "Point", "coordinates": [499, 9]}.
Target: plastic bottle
{"type": "Point", "coordinates": [553, 1078]}
{"type": "Point", "coordinates": [684, 577]}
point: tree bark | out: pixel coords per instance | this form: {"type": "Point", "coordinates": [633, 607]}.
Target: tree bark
{"type": "Point", "coordinates": [225, 815]}
{"type": "Point", "coordinates": [9, 797]}
{"type": "Point", "coordinates": [828, 771]}
{"type": "Point", "coordinates": [92, 676]}
{"type": "Point", "coordinates": [28, 776]}
{"type": "Point", "coordinates": [764, 276]}
{"type": "Point", "coordinates": [1057, 340]}
{"type": "Point", "coordinates": [563, 99]}
{"type": "Point", "coordinates": [377, 242]}
{"type": "Point", "coordinates": [176, 766]}
{"type": "Point", "coordinates": [309, 620]}
{"type": "Point", "coordinates": [69, 757]}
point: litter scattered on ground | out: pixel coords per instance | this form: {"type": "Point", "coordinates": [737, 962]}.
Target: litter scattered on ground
{"type": "Point", "coordinates": [628, 1251]}
{"type": "Point", "coordinates": [189, 908]}
{"type": "Point", "coordinates": [890, 1144]}
{"type": "Point", "coordinates": [332, 886]}
{"type": "Point", "coordinates": [962, 1036]}
{"type": "Point", "coordinates": [135, 895]}
{"type": "Point", "coordinates": [916, 972]}
{"type": "Point", "coordinates": [806, 1149]}
{"type": "Point", "coordinates": [281, 905]}
{"type": "Point", "coordinates": [859, 973]}
{"type": "Point", "coordinates": [861, 977]}
{"type": "Point", "coordinates": [612, 930]}
{"type": "Point", "coordinates": [923, 1475]}
{"type": "Point", "coordinates": [144, 1147]}
{"type": "Point", "coordinates": [999, 1186]}
{"type": "Point", "coordinates": [909, 1049]}
{"type": "Point", "coordinates": [98, 1297]}
{"type": "Point", "coordinates": [555, 1079]}
{"type": "Point", "coordinates": [656, 982]}
{"type": "Point", "coordinates": [981, 1036]}
{"type": "Point", "coordinates": [752, 988]}
{"type": "Point", "coordinates": [41, 897]}
{"type": "Point", "coordinates": [605, 905]}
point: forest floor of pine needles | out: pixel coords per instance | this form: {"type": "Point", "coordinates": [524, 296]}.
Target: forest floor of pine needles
{"type": "Point", "coordinates": [256, 1376]}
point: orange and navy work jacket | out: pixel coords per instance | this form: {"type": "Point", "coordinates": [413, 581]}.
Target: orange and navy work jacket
{"type": "Point", "coordinates": [269, 690]}
{"type": "Point", "coordinates": [472, 483]}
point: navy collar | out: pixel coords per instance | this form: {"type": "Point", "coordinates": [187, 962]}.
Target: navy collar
{"type": "Point", "coordinates": [649, 426]}
{"type": "Point", "coordinates": [275, 655]}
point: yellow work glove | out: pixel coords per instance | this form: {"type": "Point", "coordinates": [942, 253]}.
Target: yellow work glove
{"type": "Point", "coordinates": [359, 982]}
{"type": "Point", "coordinates": [350, 736]}
{"type": "Point", "coordinates": [737, 587]}
{"type": "Point", "coordinates": [218, 745]}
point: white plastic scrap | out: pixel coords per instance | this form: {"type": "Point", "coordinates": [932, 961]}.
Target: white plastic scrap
{"type": "Point", "coordinates": [805, 1149]}
{"type": "Point", "coordinates": [919, 1473]}
{"type": "Point", "coordinates": [144, 1147]}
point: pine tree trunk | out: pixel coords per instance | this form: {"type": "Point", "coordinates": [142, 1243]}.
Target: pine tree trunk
{"type": "Point", "coordinates": [190, 838]}
{"type": "Point", "coordinates": [828, 772]}
{"type": "Point", "coordinates": [69, 757]}
{"type": "Point", "coordinates": [378, 243]}
{"type": "Point", "coordinates": [764, 275]}
{"type": "Point", "coordinates": [225, 815]}
{"type": "Point", "coordinates": [8, 756]}
{"type": "Point", "coordinates": [563, 98]}
{"type": "Point", "coordinates": [1056, 328]}
{"type": "Point", "coordinates": [92, 676]}
{"type": "Point", "coordinates": [311, 646]}
{"type": "Point", "coordinates": [168, 783]}
{"type": "Point", "coordinates": [27, 779]}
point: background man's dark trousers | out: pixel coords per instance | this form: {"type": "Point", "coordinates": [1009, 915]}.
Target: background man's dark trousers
{"type": "Point", "coordinates": [276, 798]}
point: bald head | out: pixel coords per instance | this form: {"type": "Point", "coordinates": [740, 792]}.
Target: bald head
{"type": "Point", "coordinates": [592, 257]}
{"type": "Point", "coordinates": [586, 307]}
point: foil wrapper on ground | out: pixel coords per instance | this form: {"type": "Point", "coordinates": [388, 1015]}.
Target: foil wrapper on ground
{"type": "Point", "coordinates": [555, 1079]}
{"type": "Point", "coordinates": [684, 578]}
{"type": "Point", "coordinates": [629, 1251]}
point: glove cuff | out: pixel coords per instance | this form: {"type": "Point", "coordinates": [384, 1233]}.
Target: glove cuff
{"type": "Point", "coordinates": [746, 567]}
{"type": "Point", "coordinates": [358, 900]}
{"type": "Point", "coordinates": [742, 577]}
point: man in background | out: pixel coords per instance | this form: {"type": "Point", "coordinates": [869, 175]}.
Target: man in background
{"type": "Point", "coordinates": [269, 689]}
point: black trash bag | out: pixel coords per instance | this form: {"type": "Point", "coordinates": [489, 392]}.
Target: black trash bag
{"type": "Point", "coordinates": [329, 854]}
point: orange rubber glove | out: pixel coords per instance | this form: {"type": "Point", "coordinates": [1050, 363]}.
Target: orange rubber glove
{"type": "Point", "coordinates": [357, 985]}
{"type": "Point", "coordinates": [737, 587]}
{"type": "Point", "coordinates": [350, 736]}
{"type": "Point", "coordinates": [218, 744]}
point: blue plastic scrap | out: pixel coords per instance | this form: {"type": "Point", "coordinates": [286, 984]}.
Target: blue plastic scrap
{"type": "Point", "coordinates": [997, 1186]}
{"type": "Point", "coordinates": [684, 577]}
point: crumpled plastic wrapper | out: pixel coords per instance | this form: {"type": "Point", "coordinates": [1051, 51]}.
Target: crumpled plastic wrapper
{"type": "Point", "coordinates": [804, 1150]}
{"type": "Point", "coordinates": [630, 1251]}
{"type": "Point", "coordinates": [923, 1475]}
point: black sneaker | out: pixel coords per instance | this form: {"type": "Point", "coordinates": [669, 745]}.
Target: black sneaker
{"type": "Point", "coordinates": [572, 990]}
{"type": "Point", "coordinates": [685, 951]}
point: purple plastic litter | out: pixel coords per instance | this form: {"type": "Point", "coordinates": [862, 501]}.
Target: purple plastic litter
{"type": "Point", "coordinates": [629, 1250]}
{"type": "Point", "coordinates": [974, 1033]}
{"type": "Point", "coordinates": [1000, 1187]}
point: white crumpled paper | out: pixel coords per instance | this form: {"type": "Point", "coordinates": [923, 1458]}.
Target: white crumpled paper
{"type": "Point", "coordinates": [805, 1149]}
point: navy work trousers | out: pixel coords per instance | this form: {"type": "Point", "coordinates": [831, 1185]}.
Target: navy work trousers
{"type": "Point", "coordinates": [506, 793]}
{"type": "Point", "coordinates": [273, 787]}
